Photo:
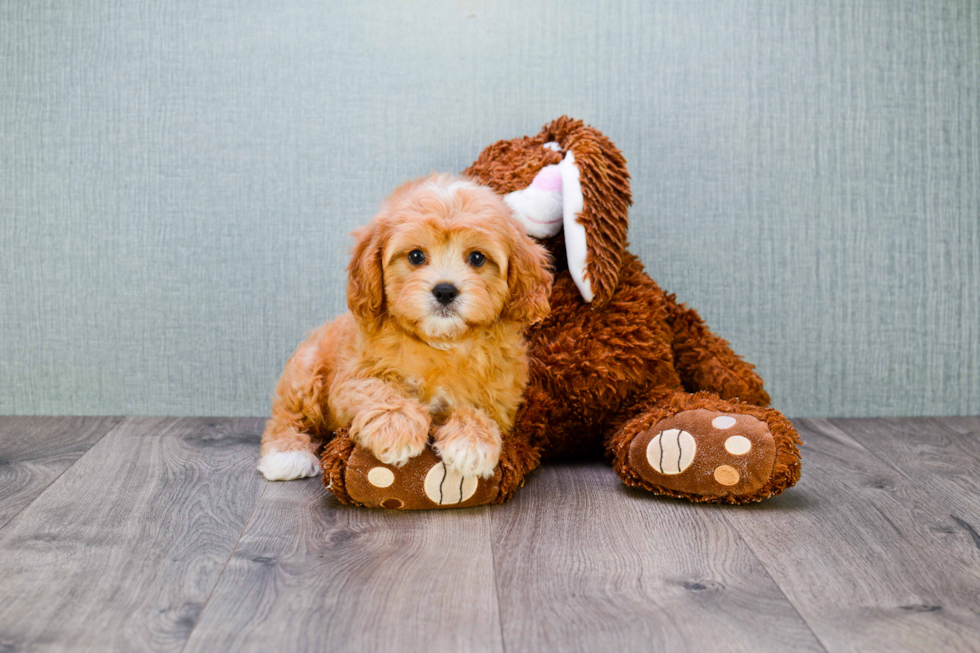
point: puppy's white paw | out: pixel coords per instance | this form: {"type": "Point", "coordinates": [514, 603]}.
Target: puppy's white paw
{"type": "Point", "coordinates": [393, 436]}
{"type": "Point", "coordinates": [398, 456]}
{"type": "Point", "coordinates": [470, 456]}
{"type": "Point", "coordinates": [289, 465]}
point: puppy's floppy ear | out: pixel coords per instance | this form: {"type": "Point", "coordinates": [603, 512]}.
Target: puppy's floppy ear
{"type": "Point", "coordinates": [528, 279]}
{"type": "Point", "coordinates": [365, 275]}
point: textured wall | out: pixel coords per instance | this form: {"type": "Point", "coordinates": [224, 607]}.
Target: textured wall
{"type": "Point", "coordinates": [178, 177]}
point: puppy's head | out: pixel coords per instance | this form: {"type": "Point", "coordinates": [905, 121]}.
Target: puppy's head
{"type": "Point", "coordinates": [444, 255]}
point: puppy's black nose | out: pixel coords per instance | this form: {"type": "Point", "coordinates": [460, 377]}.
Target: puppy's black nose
{"type": "Point", "coordinates": [445, 293]}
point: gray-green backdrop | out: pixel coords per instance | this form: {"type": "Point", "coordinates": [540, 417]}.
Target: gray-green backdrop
{"type": "Point", "coordinates": [177, 179]}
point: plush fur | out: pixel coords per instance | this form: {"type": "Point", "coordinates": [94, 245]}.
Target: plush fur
{"type": "Point", "coordinates": [401, 363]}
{"type": "Point", "coordinates": [608, 366]}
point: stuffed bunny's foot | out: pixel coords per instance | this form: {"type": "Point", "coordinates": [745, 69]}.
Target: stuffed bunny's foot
{"type": "Point", "coordinates": [706, 454]}
{"type": "Point", "coordinates": [424, 482]}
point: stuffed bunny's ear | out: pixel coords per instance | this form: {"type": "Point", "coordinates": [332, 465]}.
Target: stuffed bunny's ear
{"type": "Point", "coordinates": [576, 245]}
{"type": "Point", "coordinates": [553, 202]}
{"type": "Point", "coordinates": [584, 190]}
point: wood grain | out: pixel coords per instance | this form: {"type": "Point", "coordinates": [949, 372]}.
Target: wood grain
{"type": "Point", "coordinates": [123, 550]}
{"type": "Point", "coordinates": [34, 451]}
{"type": "Point", "coordinates": [311, 574]}
{"type": "Point", "coordinates": [940, 455]}
{"type": "Point", "coordinates": [963, 424]}
{"type": "Point", "coordinates": [162, 536]}
{"type": "Point", "coordinates": [583, 564]}
{"type": "Point", "coordinates": [866, 555]}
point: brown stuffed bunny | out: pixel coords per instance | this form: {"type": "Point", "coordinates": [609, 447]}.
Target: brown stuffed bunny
{"type": "Point", "coordinates": [618, 367]}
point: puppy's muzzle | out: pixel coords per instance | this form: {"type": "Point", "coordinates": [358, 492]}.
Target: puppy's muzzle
{"type": "Point", "coordinates": [445, 293]}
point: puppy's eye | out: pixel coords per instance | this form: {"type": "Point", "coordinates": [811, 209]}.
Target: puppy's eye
{"type": "Point", "coordinates": [416, 257]}
{"type": "Point", "coordinates": [476, 259]}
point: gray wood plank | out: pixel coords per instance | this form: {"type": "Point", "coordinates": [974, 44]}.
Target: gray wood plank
{"type": "Point", "coordinates": [939, 455]}
{"type": "Point", "coordinates": [585, 564]}
{"type": "Point", "coordinates": [313, 575]}
{"type": "Point", "coordinates": [122, 551]}
{"type": "Point", "coordinates": [864, 554]}
{"type": "Point", "coordinates": [967, 425]}
{"type": "Point", "coordinates": [34, 451]}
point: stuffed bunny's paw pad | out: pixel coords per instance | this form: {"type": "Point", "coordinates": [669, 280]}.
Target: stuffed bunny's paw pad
{"type": "Point", "coordinates": [424, 482]}
{"type": "Point", "coordinates": [705, 453]}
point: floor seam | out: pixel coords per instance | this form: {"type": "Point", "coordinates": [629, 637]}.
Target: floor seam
{"type": "Point", "coordinates": [224, 566]}
{"type": "Point", "coordinates": [898, 469]}
{"type": "Point", "coordinates": [496, 583]}
{"type": "Point", "coordinates": [779, 587]}
{"type": "Point", "coordinates": [27, 505]}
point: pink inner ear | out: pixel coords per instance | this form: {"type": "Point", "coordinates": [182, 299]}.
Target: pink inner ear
{"type": "Point", "coordinates": [549, 179]}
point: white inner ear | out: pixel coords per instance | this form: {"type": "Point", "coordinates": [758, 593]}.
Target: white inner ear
{"type": "Point", "coordinates": [572, 203]}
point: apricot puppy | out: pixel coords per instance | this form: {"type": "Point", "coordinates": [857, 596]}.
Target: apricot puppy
{"type": "Point", "coordinates": [440, 286]}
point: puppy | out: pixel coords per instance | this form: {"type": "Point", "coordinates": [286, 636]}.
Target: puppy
{"type": "Point", "coordinates": [440, 286]}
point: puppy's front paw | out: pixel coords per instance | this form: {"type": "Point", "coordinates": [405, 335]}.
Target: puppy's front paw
{"type": "Point", "coordinates": [288, 465]}
{"type": "Point", "coordinates": [393, 436]}
{"type": "Point", "coordinates": [470, 443]}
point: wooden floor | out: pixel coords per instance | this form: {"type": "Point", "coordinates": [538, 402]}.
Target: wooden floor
{"type": "Point", "coordinates": [158, 534]}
